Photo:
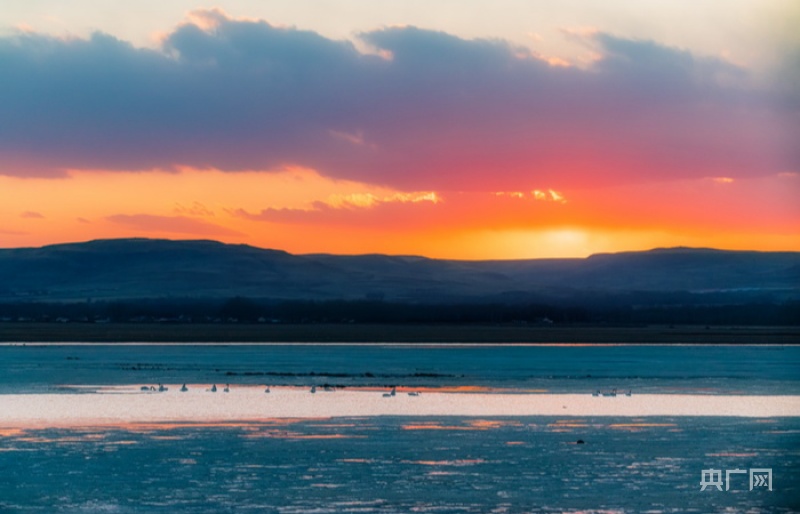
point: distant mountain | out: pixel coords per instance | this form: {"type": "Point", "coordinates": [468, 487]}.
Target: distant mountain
{"type": "Point", "coordinates": [147, 268]}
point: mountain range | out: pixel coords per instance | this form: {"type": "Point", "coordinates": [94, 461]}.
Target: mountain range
{"type": "Point", "coordinates": [117, 269]}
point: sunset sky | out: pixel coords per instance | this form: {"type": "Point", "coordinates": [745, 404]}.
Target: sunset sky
{"type": "Point", "coordinates": [466, 129]}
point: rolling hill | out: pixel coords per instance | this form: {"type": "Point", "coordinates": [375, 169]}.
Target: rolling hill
{"type": "Point", "coordinates": [148, 268]}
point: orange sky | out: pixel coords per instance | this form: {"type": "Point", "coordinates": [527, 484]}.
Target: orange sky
{"type": "Point", "coordinates": [394, 129]}
{"type": "Point", "coordinates": [310, 213]}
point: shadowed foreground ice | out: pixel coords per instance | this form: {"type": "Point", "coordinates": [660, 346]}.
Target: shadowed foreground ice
{"type": "Point", "coordinates": [402, 464]}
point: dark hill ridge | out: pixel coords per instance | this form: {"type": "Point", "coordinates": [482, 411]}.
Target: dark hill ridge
{"type": "Point", "coordinates": [149, 268]}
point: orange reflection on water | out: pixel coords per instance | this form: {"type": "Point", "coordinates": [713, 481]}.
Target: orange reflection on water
{"type": "Point", "coordinates": [146, 428]}
{"type": "Point", "coordinates": [72, 437]}
{"type": "Point", "coordinates": [493, 423]}
{"type": "Point", "coordinates": [568, 423]}
{"type": "Point", "coordinates": [477, 424]}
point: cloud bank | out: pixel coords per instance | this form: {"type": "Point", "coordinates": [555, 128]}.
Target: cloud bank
{"type": "Point", "coordinates": [422, 110]}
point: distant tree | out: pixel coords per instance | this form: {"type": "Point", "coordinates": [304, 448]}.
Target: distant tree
{"type": "Point", "coordinates": [241, 309]}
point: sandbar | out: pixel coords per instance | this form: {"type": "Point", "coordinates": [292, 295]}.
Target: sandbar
{"type": "Point", "coordinates": [128, 404]}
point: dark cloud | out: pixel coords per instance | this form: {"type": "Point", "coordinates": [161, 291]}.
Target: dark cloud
{"type": "Point", "coordinates": [427, 110]}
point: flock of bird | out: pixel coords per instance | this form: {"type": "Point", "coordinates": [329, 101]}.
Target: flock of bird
{"type": "Point", "coordinates": [393, 392]}
{"type": "Point", "coordinates": [613, 392]}
{"type": "Point", "coordinates": [213, 389]}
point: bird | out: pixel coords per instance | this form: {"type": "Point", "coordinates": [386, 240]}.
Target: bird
{"type": "Point", "coordinates": [313, 389]}
{"type": "Point", "coordinates": [214, 388]}
{"type": "Point", "coordinates": [227, 388]}
{"type": "Point", "coordinates": [184, 388]}
{"type": "Point", "coordinates": [266, 390]}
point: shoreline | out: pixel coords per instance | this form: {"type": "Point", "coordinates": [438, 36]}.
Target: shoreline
{"type": "Point", "coordinates": [54, 344]}
{"type": "Point", "coordinates": [18, 333]}
{"type": "Point", "coordinates": [120, 405]}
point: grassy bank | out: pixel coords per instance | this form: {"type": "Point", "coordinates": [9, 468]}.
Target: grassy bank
{"type": "Point", "coordinates": [356, 333]}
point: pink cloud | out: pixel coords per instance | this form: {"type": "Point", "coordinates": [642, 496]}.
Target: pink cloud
{"type": "Point", "coordinates": [454, 211]}
{"type": "Point", "coordinates": [443, 113]}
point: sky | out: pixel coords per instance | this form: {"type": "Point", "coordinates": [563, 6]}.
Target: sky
{"type": "Point", "coordinates": [461, 129]}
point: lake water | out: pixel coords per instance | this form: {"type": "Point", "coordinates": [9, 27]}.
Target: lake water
{"type": "Point", "coordinates": [406, 464]}
{"type": "Point", "coordinates": [650, 369]}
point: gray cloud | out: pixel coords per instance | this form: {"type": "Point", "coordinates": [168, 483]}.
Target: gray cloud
{"type": "Point", "coordinates": [441, 113]}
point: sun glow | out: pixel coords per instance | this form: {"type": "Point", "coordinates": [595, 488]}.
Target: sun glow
{"type": "Point", "coordinates": [300, 211]}
{"type": "Point", "coordinates": [537, 131]}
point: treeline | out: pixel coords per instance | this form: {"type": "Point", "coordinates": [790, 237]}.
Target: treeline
{"type": "Point", "coordinates": [248, 310]}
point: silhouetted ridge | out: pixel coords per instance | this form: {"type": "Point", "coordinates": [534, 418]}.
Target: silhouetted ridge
{"type": "Point", "coordinates": [155, 268]}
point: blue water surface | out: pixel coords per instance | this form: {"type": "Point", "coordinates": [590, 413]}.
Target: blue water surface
{"type": "Point", "coordinates": [435, 464]}
{"type": "Point", "coordinates": [700, 369]}
{"type": "Point", "coordinates": [400, 465]}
